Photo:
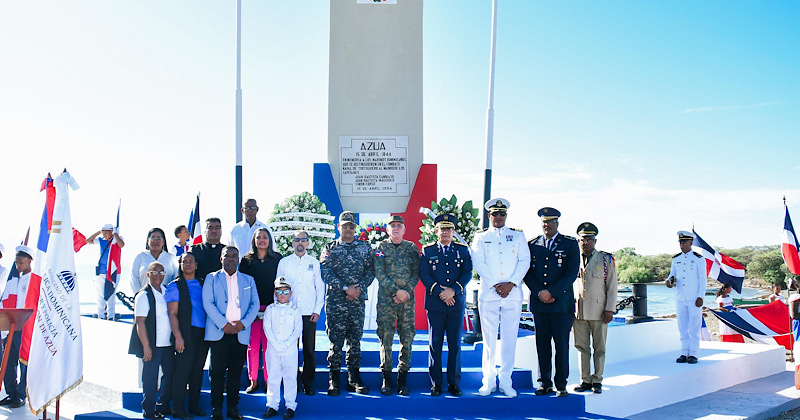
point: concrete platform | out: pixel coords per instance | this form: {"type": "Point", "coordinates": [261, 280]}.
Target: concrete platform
{"type": "Point", "coordinates": [641, 373]}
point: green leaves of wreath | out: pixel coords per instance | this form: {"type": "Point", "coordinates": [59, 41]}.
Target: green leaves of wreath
{"type": "Point", "coordinates": [466, 215]}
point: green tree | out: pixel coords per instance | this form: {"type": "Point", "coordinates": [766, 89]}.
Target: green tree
{"type": "Point", "coordinates": [768, 266]}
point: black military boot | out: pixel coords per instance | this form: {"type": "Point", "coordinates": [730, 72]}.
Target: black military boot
{"type": "Point", "coordinates": [333, 383]}
{"type": "Point", "coordinates": [354, 382]}
{"type": "Point", "coordinates": [386, 386]}
{"type": "Point", "coordinates": [402, 388]}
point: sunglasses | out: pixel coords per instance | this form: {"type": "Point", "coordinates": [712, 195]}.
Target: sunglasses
{"type": "Point", "coordinates": [300, 240]}
{"type": "Point", "coordinates": [497, 213]}
{"type": "Point", "coordinates": [283, 292]}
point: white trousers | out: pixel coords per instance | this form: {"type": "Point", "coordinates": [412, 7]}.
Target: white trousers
{"type": "Point", "coordinates": [689, 321]}
{"type": "Point", "coordinates": [281, 367]}
{"type": "Point", "coordinates": [502, 315]}
{"type": "Point", "coordinates": [101, 303]}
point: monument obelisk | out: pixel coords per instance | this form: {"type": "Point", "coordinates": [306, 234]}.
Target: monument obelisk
{"type": "Point", "coordinates": [375, 102]}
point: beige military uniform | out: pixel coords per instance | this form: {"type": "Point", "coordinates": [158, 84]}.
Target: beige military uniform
{"type": "Point", "coordinates": [595, 292]}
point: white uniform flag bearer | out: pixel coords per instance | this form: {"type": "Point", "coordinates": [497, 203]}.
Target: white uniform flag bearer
{"type": "Point", "coordinates": [56, 355]}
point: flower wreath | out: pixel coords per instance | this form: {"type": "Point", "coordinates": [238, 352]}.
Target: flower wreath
{"type": "Point", "coordinates": [466, 215]}
{"type": "Point", "coordinates": [304, 211]}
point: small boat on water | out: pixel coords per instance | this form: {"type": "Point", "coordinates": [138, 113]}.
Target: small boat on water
{"type": "Point", "coordinates": [626, 289]}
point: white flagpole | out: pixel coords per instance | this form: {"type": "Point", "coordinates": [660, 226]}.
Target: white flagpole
{"type": "Point", "coordinates": [238, 110]}
{"type": "Point", "coordinates": [487, 181]}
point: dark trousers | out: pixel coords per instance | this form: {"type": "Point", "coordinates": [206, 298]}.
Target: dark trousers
{"type": "Point", "coordinates": [439, 323]}
{"type": "Point", "coordinates": [164, 358]}
{"type": "Point", "coordinates": [227, 361]}
{"type": "Point", "coordinates": [12, 388]}
{"type": "Point", "coordinates": [555, 328]}
{"type": "Point", "coordinates": [309, 342]}
{"type": "Point", "coordinates": [189, 367]}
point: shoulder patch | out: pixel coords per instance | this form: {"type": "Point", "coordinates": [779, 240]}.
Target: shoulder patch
{"type": "Point", "coordinates": [459, 243]}
{"type": "Point", "coordinates": [677, 255]}
{"type": "Point", "coordinates": [534, 239]}
{"type": "Point", "coordinates": [697, 255]}
{"type": "Point", "coordinates": [516, 230]}
{"type": "Point", "coordinates": [481, 230]}
{"type": "Point", "coordinates": [429, 245]}
{"type": "Point", "coordinates": [569, 237]}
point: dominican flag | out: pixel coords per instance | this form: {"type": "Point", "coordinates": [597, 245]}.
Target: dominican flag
{"type": "Point", "coordinates": [114, 263]}
{"type": "Point", "coordinates": [769, 324]}
{"type": "Point", "coordinates": [55, 360]}
{"type": "Point", "coordinates": [195, 226]}
{"type": "Point", "coordinates": [790, 246]}
{"type": "Point", "coordinates": [719, 266]}
{"type": "Point", "coordinates": [32, 298]}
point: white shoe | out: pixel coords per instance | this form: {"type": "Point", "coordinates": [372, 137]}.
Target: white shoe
{"type": "Point", "coordinates": [508, 391]}
{"type": "Point", "coordinates": [485, 390]}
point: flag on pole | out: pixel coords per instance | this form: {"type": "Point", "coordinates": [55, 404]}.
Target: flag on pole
{"type": "Point", "coordinates": [55, 363]}
{"type": "Point", "coordinates": [195, 225]}
{"type": "Point", "coordinates": [114, 263]}
{"type": "Point", "coordinates": [32, 298]}
{"type": "Point", "coordinates": [790, 248]}
{"type": "Point", "coordinates": [719, 266]}
{"type": "Point", "coordinates": [769, 324]}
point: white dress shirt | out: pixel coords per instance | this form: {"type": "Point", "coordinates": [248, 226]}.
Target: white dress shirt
{"type": "Point", "coordinates": [142, 307]}
{"type": "Point", "coordinates": [143, 260]}
{"type": "Point", "coordinates": [308, 289]}
{"type": "Point", "coordinates": [241, 236]}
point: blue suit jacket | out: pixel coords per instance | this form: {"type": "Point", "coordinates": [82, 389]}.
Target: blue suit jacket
{"type": "Point", "coordinates": [555, 271]}
{"type": "Point", "coordinates": [437, 270]}
{"type": "Point", "coordinates": [215, 302]}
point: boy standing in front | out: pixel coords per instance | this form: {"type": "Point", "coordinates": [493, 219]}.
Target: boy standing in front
{"type": "Point", "coordinates": [283, 326]}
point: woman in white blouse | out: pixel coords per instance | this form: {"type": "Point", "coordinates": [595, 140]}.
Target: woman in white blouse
{"type": "Point", "coordinates": [156, 251]}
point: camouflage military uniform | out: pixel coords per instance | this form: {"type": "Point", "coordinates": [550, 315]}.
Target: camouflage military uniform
{"type": "Point", "coordinates": [341, 265]}
{"type": "Point", "coordinates": [396, 267]}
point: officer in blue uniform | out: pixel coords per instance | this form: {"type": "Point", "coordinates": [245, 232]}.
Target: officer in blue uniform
{"type": "Point", "coordinates": [555, 261]}
{"type": "Point", "coordinates": [445, 268]}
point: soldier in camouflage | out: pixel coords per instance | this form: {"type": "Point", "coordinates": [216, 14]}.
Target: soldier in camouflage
{"type": "Point", "coordinates": [347, 270]}
{"type": "Point", "coordinates": [397, 270]}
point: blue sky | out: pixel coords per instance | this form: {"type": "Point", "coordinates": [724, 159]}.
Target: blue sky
{"type": "Point", "coordinates": [643, 117]}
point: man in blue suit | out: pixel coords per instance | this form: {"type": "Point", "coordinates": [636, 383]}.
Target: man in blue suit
{"type": "Point", "coordinates": [231, 302]}
{"type": "Point", "coordinates": [445, 268]}
{"type": "Point", "coordinates": [555, 261]}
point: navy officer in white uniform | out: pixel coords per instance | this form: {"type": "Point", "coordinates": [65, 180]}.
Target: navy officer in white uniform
{"type": "Point", "coordinates": [688, 274]}
{"type": "Point", "coordinates": [501, 257]}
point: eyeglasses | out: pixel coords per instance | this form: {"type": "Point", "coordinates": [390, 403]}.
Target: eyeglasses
{"type": "Point", "coordinates": [155, 238]}
{"type": "Point", "coordinates": [299, 239]}
{"type": "Point", "coordinates": [250, 208]}
{"type": "Point", "coordinates": [155, 273]}
{"type": "Point", "coordinates": [283, 292]}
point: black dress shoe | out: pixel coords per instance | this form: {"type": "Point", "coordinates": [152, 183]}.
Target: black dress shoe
{"type": "Point", "coordinates": [583, 387]}
{"type": "Point", "coordinates": [197, 411]}
{"type": "Point", "coordinates": [597, 388]}
{"type": "Point", "coordinates": [561, 393]}
{"type": "Point", "coordinates": [288, 414]}
{"type": "Point", "coordinates": [544, 390]}
{"type": "Point", "coordinates": [436, 390]}
{"type": "Point", "coordinates": [166, 411]}
{"type": "Point", "coordinates": [454, 390]}
{"type": "Point", "coordinates": [216, 414]}
{"type": "Point", "coordinates": [6, 401]}
{"type": "Point", "coordinates": [691, 360]}
{"type": "Point", "coordinates": [309, 390]}
{"type": "Point", "coordinates": [233, 413]}
{"type": "Point", "coordinates": [681, 359]}
{"type": "Point", "coordinates": [182, 415]}
{"type": "Point", "coordinates": [17, 403]}
{"type": "Point", "coordinates": [155, 415]}
{"type": "Point", "coordinates": [270, 413]}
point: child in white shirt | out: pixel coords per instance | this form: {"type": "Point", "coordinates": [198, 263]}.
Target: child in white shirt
{"type": "Point", "coordinates": [283, 325]}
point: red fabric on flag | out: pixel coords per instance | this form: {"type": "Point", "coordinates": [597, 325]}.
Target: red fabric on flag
{"type": "Point", "coordinates": [78, 239]}
{"type": "Point", "coordinates": [774, 316]}
{"type": "Point", "coordinates": [733, 338]}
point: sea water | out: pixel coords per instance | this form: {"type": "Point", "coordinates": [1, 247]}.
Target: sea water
{"type": "Point", "coordinates": [661, 299]}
